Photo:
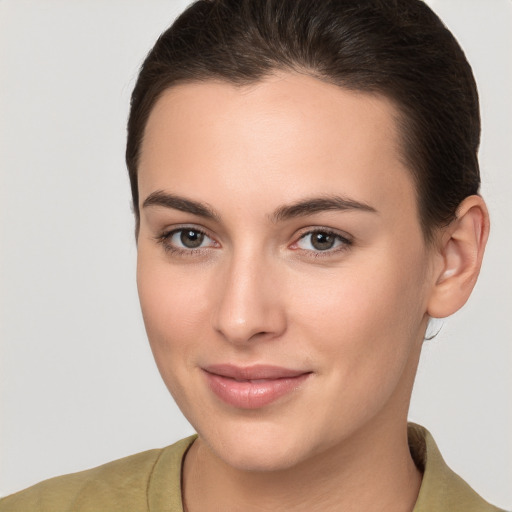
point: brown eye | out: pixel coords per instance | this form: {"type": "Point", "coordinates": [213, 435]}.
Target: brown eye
{"type": "Point", "coordinates": [321, 240]}
{"type": "Point", "coordinates": [186, 240]}
{"type": "Point", "coordinates": [191, 238]}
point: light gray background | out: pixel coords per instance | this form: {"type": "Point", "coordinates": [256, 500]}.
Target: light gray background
{"type": "Point", "coordinates": [78, 383]}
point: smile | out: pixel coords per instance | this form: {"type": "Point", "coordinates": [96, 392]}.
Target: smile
{"type": "Point", "coordinates": [252, 387]}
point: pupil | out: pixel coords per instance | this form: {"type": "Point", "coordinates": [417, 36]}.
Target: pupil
{"type": "Point", "coordinates": [322, 241]}
{"type": "Point", "coordinates": [191, 239]}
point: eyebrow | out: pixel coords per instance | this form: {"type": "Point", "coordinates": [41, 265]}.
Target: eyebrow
{"type": "Point", "coordinates": [317, 205]}
{"type": "Point", "coordinates": [301, 208]}
{"type": "Point", "coordinates": [166, 200]}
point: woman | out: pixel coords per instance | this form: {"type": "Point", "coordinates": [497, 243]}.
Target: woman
{"type": "Point", "coordinates": [305, 187]}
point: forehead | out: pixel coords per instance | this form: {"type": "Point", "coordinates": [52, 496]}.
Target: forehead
{"type": "Point", "coordinates": [289, 132]}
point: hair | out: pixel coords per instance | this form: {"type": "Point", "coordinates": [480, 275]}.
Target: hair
{"type": "Point", "coordinates": [396, 48]}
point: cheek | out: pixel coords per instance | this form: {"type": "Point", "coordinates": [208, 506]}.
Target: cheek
{"type": "Point", "coordinates": [365, 318]}
{"type": "Point", "coordinates": [364, 330]}
{"type": "Point", "coordinates": [362, 298]}
{"type": "Point", "coordinates": [175, 314]}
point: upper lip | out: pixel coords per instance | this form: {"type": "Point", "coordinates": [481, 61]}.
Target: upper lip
{"type": "Point", "coordinates": [254, 372]}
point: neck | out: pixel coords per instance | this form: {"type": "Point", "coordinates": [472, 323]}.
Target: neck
{"type": "Point", "coordinates": [371, 471]}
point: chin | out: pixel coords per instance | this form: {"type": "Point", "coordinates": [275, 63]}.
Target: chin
{"type": "Point", "coordinates": [260, 458]}
{"type": "Point", "coordinates": [257, 447]}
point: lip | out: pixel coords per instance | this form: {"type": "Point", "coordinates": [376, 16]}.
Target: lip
{"type": "Point", "coordinates": [253, 387]}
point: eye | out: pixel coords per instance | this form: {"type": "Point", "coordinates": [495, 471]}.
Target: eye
{"type": "Point", "coordinates": [322, 240]}
{"type": "Point", "coordinates": [186, 239]}
{"type": "Point", "coordinates": [189, 238]}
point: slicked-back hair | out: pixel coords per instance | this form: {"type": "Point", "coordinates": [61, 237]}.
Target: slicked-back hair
{"type": "Point", "coordinates": [395, 48]}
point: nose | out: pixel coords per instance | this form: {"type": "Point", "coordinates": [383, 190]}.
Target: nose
{"type": "Point", "coordinates": [249, 303]}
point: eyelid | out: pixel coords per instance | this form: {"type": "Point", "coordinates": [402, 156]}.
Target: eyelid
{"type": "Point", "coordinates": [345, 238]}
{"type": "Point", "coordinates": [167, 233]}
{"type": "Point", "coordinates": [165, 236]}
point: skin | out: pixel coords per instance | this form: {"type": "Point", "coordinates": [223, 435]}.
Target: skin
{"type": "Point", "coordinates": [257, 291]}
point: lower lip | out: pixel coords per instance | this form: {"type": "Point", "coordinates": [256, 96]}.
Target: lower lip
{"type": "Point", "coordinates": [253, 394]}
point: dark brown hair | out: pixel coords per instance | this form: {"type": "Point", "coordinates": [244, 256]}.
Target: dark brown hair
{"type": "Point", "coordinates": [397, 48]}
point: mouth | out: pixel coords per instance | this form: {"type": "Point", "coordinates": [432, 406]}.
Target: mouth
{"type": "Point", "coordinates": [255, 386]}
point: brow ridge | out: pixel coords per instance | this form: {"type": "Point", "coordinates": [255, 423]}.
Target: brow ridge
{"type": "Point", "coordinates": [167, 200]}
{"type": "Point", "coordinates": [301, 208]}
{"type": "Point", "coordinates": [319, 204]}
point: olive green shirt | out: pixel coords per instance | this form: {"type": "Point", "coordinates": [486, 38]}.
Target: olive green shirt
{"type": "Point", "coordinates": [151, 481]}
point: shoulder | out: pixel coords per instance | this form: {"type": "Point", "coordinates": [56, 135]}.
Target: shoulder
{"type": "Point", "coordinates": [124, 484]}
{"type": "Point", "coordinates": [102, 486]}
{"type": "Point", "coordinates": [441, 489]}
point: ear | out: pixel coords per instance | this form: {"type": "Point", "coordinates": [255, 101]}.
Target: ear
{"type": "Point", "coordinates": [460, 252]}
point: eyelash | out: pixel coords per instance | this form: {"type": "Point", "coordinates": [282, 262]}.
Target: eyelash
{"type": "Point", "coordinates": [166, 237]}
{"type": "Point", "coordinates": [345, 243]}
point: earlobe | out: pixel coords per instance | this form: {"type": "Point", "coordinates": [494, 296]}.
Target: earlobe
{"type": "Point", "coordinates": [461, 252]}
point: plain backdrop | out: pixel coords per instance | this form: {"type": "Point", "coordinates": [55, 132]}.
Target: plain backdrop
{"type": "Point", "coordinates": [78, 383]}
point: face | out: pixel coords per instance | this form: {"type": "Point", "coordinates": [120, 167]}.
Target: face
{"type": "Point", "coordinates": [282, 270]}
